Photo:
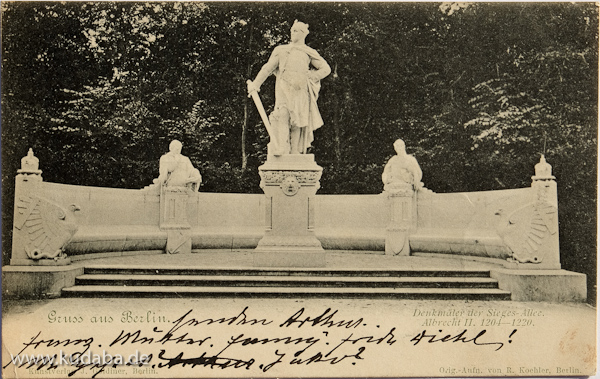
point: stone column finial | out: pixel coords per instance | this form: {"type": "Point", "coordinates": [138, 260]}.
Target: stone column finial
{"type": "Point", "coordinates": [30, 164]}
{"type": "Point", "coordinates": [543, 170]}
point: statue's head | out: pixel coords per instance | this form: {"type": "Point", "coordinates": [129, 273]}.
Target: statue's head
{"type": "Point", "coordinates": [299, 31]}
{"type": "Point", "coordinates": [400, 146]}
{"type": "Point", "coordinates": [175, 146]}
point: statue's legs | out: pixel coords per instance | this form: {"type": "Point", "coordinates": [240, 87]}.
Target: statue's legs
{"type": "Point", "coordinates": [280, 125]}
{"type": "Point", "coordinates": [295, 137]}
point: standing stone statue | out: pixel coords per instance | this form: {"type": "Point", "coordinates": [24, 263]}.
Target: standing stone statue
{"type": "Point", "coordinates": [176, 170]}
{"type": "Point", "coordinates": [402, 172]}
{"type": "Point", "coordinates": [299, 70]}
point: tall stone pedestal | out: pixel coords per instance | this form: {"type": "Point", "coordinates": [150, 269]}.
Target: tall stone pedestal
{"type": "Point", "coordinates": [173, 219]}
{"type": "Point", "coordinates": [402, 217]}
{"type": "Point", "coordinates": [290, 183]}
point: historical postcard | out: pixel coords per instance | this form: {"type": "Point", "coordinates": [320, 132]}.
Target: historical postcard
{"type": "Point", "coordinates": [299, 189]}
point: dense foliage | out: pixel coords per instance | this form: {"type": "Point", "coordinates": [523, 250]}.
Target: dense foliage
{"type": "Point", "coordinates": [477, 91]}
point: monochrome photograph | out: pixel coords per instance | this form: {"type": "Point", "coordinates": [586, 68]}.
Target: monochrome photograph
{"type": "Point", "coordinates": [299, 189]}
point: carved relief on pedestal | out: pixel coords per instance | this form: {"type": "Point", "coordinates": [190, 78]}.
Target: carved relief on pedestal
{"type": "Point", "coordinates": [290, 186]}
{"type": "Point", "coordinates": [173, 208]}
{"type": "Point", "coordinates": [277, 177]}
{"type": "Point", "coordinates": [531, 232]}
{"type": "Point", "coordinates": [178, 241]}
{"type": "Point", "coordinates": [45, 228]}
{"type": "Point", "coordinates": [526, 229]}
{"type": "Point", "coordinates": [400, 190]}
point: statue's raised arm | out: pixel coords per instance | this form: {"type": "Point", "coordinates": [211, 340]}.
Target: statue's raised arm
{"type": "Point", "coordinates": [299, 70]}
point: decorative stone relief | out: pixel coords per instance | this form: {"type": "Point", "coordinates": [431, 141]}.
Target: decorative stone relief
{"type": "Point", "coordinates": [48, 228]}
{"type": "Point", "coordinates": [400, 190]}
{"type": "Point", "coordinates": [290, 186]}
{"type": "Point", "coordinates": [531, 232]}
{"type": "Point", "coordinates": [178, 241]}
{"type": "Point", "coordinates": [173, 208]}
{"type": "Point", "coordinates": [276, 177]}
{"type": "Point", "coordinates": [525, 231]}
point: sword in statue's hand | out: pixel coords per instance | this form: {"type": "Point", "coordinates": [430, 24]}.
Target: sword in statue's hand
{"type": "Point", "coordinates": [263, 116]}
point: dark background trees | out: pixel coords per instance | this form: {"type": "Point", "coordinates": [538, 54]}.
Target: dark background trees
{"type": "Point", "coordinates": [477, 91]}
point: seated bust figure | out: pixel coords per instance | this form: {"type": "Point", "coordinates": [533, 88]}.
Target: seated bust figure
{"type": "Point", "coordinates": [402, 172]}
{"type": "Point", "coordinates": [176, 170]}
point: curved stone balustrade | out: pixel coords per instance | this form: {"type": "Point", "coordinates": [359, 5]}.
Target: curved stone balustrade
{"type": "Point", "coordinates": [115, 220]}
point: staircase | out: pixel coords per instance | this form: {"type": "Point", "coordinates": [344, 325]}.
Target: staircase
{"type": "Point", "coordinates": [120, 281]}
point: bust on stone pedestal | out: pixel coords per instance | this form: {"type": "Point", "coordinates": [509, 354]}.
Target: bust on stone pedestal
{"type": "Point", "coordinates": [402, 172]}
{"type": "Point", "coordinates": [401, 180]}
{"type": "Point", "coordinates": [177, 180]}
{"type": "Point", "coordinates": [176, 170]}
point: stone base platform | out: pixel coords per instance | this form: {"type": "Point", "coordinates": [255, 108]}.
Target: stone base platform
{"type": "Point", "coordinates": [289, 259]}
{"type": "Point", "coordinates": [528, 285]}
{"type": "Point", "coordinates": [542, 285]}
{"type": "Point", "coordinates": [38, 282]}
{"type": "Point", "coordinates": [523, 285]}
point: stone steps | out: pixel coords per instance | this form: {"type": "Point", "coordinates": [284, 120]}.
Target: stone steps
{"type": "Point", "coordinates": [162, 282]}
{"type": "Point", "coordinates": [286, 292]}
{"type": "Point", "coordinates": [284, 281]}
{"type": "Point", "coordinates": [284, 271]}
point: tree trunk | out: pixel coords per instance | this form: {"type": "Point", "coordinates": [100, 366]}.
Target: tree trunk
{"type": "Point", "coordinates": [246, 100]}
{"type": "Point", "coordinates": [244, 129]}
